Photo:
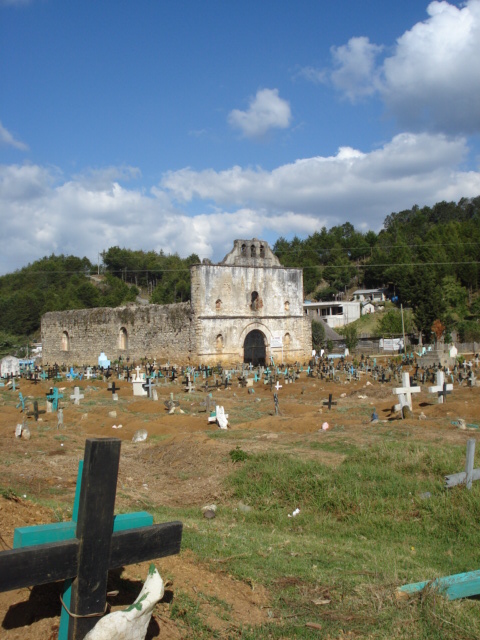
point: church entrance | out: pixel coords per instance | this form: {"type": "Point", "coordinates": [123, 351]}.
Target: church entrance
{"type": "Point", "coordinates": [254, 348]}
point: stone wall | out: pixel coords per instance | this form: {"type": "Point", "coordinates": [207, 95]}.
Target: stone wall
{"type": "Point", "coordinates": [161, 332]}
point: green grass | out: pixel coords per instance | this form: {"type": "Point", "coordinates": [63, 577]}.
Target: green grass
{"type": "Point", "coordinates": [363, 529]}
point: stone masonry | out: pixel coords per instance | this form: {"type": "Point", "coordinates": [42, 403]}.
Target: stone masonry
{"type": "Point", "coordinates": [247, 308]}
{"type": "Point", "coordinates": [155, 331]}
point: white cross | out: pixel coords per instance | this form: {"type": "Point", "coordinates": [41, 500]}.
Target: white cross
{"type": "Point", "coordinates": [77, 396]}
{"type": "Point", "coordinates": [278, 386]}
{"type": "Point", "coordinates": [138, 373]}
{"type": "Point", "coordinates": [439, 386]}
{"type": "Point", "coordinates": [88, 374]}
{"type": "Point", "coordinates": [405, 392]}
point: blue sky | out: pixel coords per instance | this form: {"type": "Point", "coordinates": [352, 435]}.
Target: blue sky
{"type": "Point", "coordinates": [184, 125]}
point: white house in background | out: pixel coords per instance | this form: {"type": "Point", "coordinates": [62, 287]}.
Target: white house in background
{"type": "Point", "coordinates": [372, 295]}
{"type": "Point", "coordinates": [9, 366]}
{"type": "Point", "coordinates": [335, 314]}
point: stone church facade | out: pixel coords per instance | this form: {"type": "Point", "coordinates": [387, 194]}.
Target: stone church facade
{"type": "Point", "coordinates": [247, 308]}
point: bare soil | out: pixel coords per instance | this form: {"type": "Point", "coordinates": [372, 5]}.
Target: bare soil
{"type": "Point", "coordinates": [182, 463]}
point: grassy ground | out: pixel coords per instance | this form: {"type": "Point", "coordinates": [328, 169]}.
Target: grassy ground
{"type": "Point", "coordinates": [363, 529]}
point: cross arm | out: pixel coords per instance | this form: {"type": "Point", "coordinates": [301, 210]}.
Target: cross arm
{"type": "Point", "coordinates": [45, 563]}
{"type": "Point", "coordinates": [39, 564]}
{"type": "Point", "coordinates": [145, 543]}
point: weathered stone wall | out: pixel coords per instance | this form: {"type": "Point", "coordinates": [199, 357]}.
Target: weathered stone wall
{"type": "Point", "coordinates": [163, 332]}
{"type": "Point", "coordinates": [248, 291]}
{"type": "Point", "coordinates": [230, 301]}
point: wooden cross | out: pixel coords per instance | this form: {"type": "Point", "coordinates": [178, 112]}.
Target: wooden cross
{"type": "Point", "coordinates": [22, 402]}
{"type": "Point", "coordinates": [96, 547]}
{"type": "Point", "coordinates": [441, 388]}
{"type": "Point", "coordinates": [114, 389]}
{"type": "Point", "coordinates": [76, 396]}
{"type": "Point", "coordinates": [147, 385]}
{"type": "Point", "coordinates": [53, 397]}
{"type": "Point", "coordinates": [405, 392]}
{"type": "Point", "coordinates": [470, 474]}
{"type": "Point", "coordinates": [329, 402]}
{"type": "Point", "coordinates": [36, 411]}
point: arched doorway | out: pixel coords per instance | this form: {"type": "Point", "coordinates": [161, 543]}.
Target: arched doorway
{"type": "Point", "coordinates": [254, 350]}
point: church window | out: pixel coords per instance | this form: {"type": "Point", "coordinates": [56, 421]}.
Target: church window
{"type": "Point", "coordinates": [254, 301]}
{"type": "Point", "coordinates": [123, 339]}
{"type": "Point", "coordinates": [218, 304]}
{"type": "Point", "coordinates": [244, 250]}
{"type": "Point", "coordinates": [286, 340]}
{"type": "Point", "coordinates": [262, 251]}
{"type": "Point", "coordinates": [287, 305]}
{"type": "Point", "coordinates": [219, 342]}
{"type": "Point", "coordinates": [65, 341]}
{"type": "Point", "coordinates": [253, 251]}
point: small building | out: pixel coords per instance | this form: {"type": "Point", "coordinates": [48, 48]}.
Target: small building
{"type": "Point", "coordinates": [335, 314]}
{"type": "Point", "coordinates": [367, 307]}
{"type": "Point", "coordinates": [372, 295]}
{"type": "Point", "coordinates": [9, 366]}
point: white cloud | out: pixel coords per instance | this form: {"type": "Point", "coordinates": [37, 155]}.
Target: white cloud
{"type": "Point", "coordinates": [266, 111]}
{"type": "Point", "coordinates": [355, 73]}
{"type": "Point", "coordinates": [43, 212]}
{"type": "Point", "coordinates": [431, 79]}
{"type": "Point", "coordinates": [7, 139]}
{"type": "Point", "coordinates": [409, 167]}
{"type": "Point", "coordinates": [312, 74]}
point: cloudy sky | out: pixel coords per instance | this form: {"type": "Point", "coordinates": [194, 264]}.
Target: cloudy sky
{"type": "Point", "coordinates": [184, 125]}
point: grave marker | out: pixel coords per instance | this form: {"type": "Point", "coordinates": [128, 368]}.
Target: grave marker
{"type": "Point", "coordinates": [405, 392]}
{"type": "Point", "coordinates": [329, 402]}
{"type": "Point", "coordinates": [147, 385]}
{"type": "Point", "coordinates": [96, 547]}
{"type": "Point", "coordinates": [470, 474]}
{"type": "Point", "coordinates": [441, 388]}
{"type": "Point", "coordinates": [36, 411]}
{"type": "Point", "coordinates": [77, 396]}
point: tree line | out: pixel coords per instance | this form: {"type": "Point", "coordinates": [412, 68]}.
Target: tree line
{"type": "Point", "coordinates": [428, 258]}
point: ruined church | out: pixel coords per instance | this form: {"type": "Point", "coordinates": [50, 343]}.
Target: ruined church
{"type": "Point", "coordinates": [247, 308]}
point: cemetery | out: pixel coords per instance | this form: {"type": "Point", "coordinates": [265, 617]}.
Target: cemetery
{"type": "Point", "coordinates": [337, 496]}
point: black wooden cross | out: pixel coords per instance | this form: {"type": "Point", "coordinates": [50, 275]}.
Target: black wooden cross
{"type": "Point", "coordinates": [96, 549]}
{"type": "Point", "coordinates": [329, 402]}
{"type": "Point", "coordinates": [113, 388]}
{"type": "Point", "coordinates": [444, 391]}
{"type": "Point", "coordinates": [36, 411]}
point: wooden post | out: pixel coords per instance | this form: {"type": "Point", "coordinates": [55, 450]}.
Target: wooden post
{"type": "Point", "coordinates": [94, 531]}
